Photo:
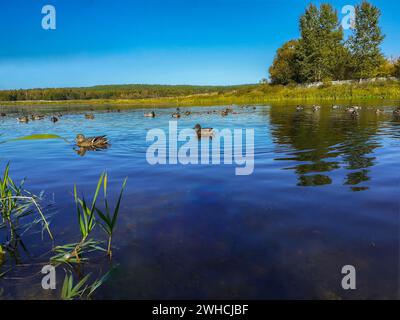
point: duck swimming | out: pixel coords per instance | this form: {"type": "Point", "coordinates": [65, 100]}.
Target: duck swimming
{"type": "Point", "coordinates": [99, 141]}
{"type": "Point", "coordinates": [54, 119]}
{"type": "Point", "coordinates": [23, 119]}
{"type": "Point", "coordinates": [89, 116]}
{"type": "Point", "coordinates": [176, 115]}
{"type": "Point", "coordinates": [203, 132]}
{"type": "Point", "coordinates": [299, 108]}
{"type": "Point", "coordinates": [151, 114]}
{"type": "Point", "coordinates": [316, 108]}
{"type": "Point", "coordinates": [397, 112]}
{"type": "Point", "coordinates": [37, 117]}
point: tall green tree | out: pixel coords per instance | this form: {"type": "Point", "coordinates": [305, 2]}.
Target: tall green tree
{"type": "Point", "coordinates": [285, 68]}
{"type": "Point", "coordinates": [321, 46]}
{"type": "Point", "coordinates": [365, 42]}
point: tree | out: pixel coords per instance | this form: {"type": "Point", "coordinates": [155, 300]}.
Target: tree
{"type": "Point", "coordinates": [397, 68]}
{"type": "Point", "coordinates": [365, 42]}
{"type": "Point", "coordinates": [284, 69]}
{"type": "Point", "coordinates": [321, 47]}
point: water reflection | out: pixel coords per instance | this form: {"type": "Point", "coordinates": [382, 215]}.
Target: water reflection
{"type": "Point", "coordinates": [83, 150]}
{"type": "Point", "coordinates": [324, 141]}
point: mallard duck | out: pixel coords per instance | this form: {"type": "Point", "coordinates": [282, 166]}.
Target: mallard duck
{"type": "Point", "coordinates": [54, 119]}
{"type": "Point", "coordinates": [37, 117]}
{"type": "Point", "coordinates": [99, 141]}
{"type": "Point", "coordinates": [188, 113]}
{"type": "Point", "coordinates": [151, 114]}
{"type": "Point", "coordinates": [299, 108]}
{"type": "Point", "coordinates": [89, 116]}
{"type": "Point", "coordinates": [203, 132]}
{"type": "Point", "coordinates": [224, 113]}
{"type": "Point", "coordinates": [176, 115]}
{"type": "Point", "coordinates": [397, 112]}
{"type": "Point", "coordinates": [316, 108]}
{"type": "Point", "coordinates": [23, 119]}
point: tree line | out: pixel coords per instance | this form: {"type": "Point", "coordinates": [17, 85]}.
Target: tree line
{"type": "Point", "coordinates": [134, 91]}
{"type": "Point", "coordinates": [322, 54]}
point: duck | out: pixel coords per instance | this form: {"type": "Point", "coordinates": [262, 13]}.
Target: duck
{"type": "Point", "coordinates": [176, 115]}
{"type": "Point", "coordinates": [224, 113]}
{"type": "Point", "coordinates": [350, 109]}
{"type": "Point", "coordinates": [23, 119]}
{"type": "Point", "coordinates": [397, 112]}
{"type": "Point", "coordinates": [98, 141]}
{"type": "Point", "coordinates": [335, 107]}
{"type": "Point", "coordinates": [37, 117]}
{"type": "Point", "coordinates": [188, 113]}
{"type": "Point", "coordinates": [379, 111]}
{"type": "Point", "coordinates": [54, 119]}
{"type": "Point", "coordinates": [151, 114]}
{"type": "Point", "coordinates": [299, 108]}
{"type": "Point", "coordinates": [89, 116]}
{"type": "Point", "coordinates": [316, 108]}
{"type": "Point", "coordinates": [354, 113]}
{"type": "Point", "coordinates": [203, 132]}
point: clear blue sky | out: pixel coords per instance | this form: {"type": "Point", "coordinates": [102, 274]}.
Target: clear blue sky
{"type": "Point", "coordinates": [154, 41]}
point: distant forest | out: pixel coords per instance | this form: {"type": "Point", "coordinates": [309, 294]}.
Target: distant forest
{"type": "Point", "coordinates": [134, 91]}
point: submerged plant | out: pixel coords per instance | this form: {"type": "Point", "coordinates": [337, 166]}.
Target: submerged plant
{"type": "Point", "coordinates": [81, 290]}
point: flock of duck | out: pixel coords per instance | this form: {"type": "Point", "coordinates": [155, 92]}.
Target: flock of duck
{"type": "Point", "coordinates": [178, 114]}
{"type": "Point", "coordinates": [102, 141]}
{"type": "Point", "coordinates": [353, 110]}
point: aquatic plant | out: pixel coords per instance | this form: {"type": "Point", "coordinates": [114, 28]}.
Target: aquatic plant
{"type": "Point", "coordinates": [16, 203]}
{"type": "Point", "coordinates": [81, 290]}
{"type": "Point", "coordinates": [108, 220]}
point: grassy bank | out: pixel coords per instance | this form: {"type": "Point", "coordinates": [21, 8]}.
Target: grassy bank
{"type": "Point", "coordinates": [388, 90]}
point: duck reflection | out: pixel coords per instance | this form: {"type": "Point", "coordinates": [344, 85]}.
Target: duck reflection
{"type": "Point", "coordinates": [324, 141]}
{"type": "Point", "coordinates": [83, 150]}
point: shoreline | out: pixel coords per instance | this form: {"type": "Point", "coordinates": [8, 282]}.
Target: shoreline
{"type": "Point", "coordinates": [263, 94]}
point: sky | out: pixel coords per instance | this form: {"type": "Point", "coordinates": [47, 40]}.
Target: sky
{"type": "Point", "coordinates": [208, 42]}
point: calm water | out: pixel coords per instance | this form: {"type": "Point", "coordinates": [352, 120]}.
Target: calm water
{"type": "Point", "coordinates": [324, 194]}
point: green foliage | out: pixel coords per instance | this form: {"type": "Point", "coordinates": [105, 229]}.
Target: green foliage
{"type": "Point", "coordinates": [108, 220]}
{"type": "Point", "coordinates": [81, 290]}
{"type": "Point", "coordinates": [16, 203]}
{"type": "Point", "coordinates": [321, 44]}
{"type": "Point", "coordinates": [86, 214]}
{"type": "Point", "coordinates": [365, 42]}
{"type": "Point", "coordinates": [285, 68]}
{"type": "Point", "coordinates": [396, 71]}
{"type": "Point", "coordinates": [136, 91]}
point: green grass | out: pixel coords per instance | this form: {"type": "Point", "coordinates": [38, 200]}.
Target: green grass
{"type": "Point", "coordinates": [255, 94]}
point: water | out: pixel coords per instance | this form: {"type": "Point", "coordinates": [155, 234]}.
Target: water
{"type": "Point", "coordinates": [324, 194]}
